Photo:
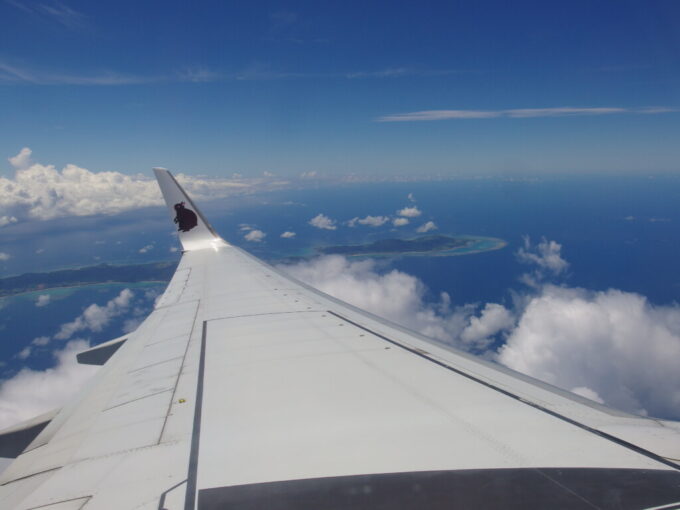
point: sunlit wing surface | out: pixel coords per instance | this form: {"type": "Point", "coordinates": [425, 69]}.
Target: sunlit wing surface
{"type": "Point", "coordinates": [247, 389]}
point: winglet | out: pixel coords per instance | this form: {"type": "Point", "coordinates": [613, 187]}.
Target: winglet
{"type": "Point", "coordinates": [193, 229]}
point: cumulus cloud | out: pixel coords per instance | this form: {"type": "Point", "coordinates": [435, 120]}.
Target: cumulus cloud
{"type": "Point", "coordinates": [43, 300]}
{"type": "Point", "coordinates": [426, 227]}
{"type": "Point", "coordinates": [410, 212]}
{"type": "Point", "coordinates": [411, 198]}
{"type": "Point", "coordinates": [21, 160]}
{"type": "Point", "coordinates": [7, 220]}
{"type": "Point", "coordinates": [519, 113]}
{"type": "Point", "coordinates": [255, 236]}
{"type": "Point", "coordinates": [371, 221]}
{"type": "Point", "coordinates": [4, 256]}
{"type": "Point", "coordinates": [609, 345]}
{"type": "Point", "coordinates": [41, 341]}
{"type": "Point", "coordinates": [400, 222]}
{"type": "Point", "coordinates": [30, 392]}
{"type": "Point", "coordinates": [481, 330]}
{"type": "Point", "coordinates": [288, 234]}
{"type": "Point", "coordinates": [546, 257]}
{"type": "Point", "coordinates": [24, 353]}
{"type": "Point", "coordinates": [323, 222]}
{"type": "Point", "coordinates": [394, 295]}
{"type": "Point", "coordinates": [43, 192]}
{"type": "Point", "coordinates": [96, 317]}
{"type": "Point", "coordinates": [146, 248]}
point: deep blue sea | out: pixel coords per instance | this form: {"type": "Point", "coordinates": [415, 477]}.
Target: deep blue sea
{"type": "Point", "coordinates": [616, 232]}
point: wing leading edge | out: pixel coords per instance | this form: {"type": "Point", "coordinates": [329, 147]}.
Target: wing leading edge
{"type": "Point", "coordinates": [246, 387]}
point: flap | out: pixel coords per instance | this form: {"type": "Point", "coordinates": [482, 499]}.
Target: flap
{"type": "Point", "coordinates": [16, 438]}
{"type": "Point", "coordinates": [100, 354]}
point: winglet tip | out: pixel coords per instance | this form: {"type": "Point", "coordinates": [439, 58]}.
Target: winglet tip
{"type": "Point", "coordinates": [194, 230]}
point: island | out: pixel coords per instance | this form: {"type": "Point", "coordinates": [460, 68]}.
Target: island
{"type": "Point", "coordinates": [91, 275]}
{"type": "Point", "coordinates": [432, 245]}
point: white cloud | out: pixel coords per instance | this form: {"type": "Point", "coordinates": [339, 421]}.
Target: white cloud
{"type": "Point", "coordinates": [411, 198]}
{"type": "Point", "coordinates": [7, 220]}
{"type": "Point", "coordinates": [41, 341]}
{"type": "Point", "coordinates": [308, 175]}
{"type": "Point", "coordinates": [546, 256]}
{"type": "Point", "coordinates": [394, 295]}
{"type": "Point", "coordinates": [10, 73]}
{"type": "Point", "coordinates": [30, 392]}
{"type": "Point", "coordinates": [481, 330]}
{"type": "Point", "coordinates": [4, 256]}
{"type": "Point", "coordinates": [197, 75]}
{"type": "Point", "coordinates": [371, 221]}
{"type": "Point", "coordinates": [43, 300]}
{"type": "Point", "coordinates": [322, 221]}
{"type": "Point", "coordinates": [95, 317]}
{"type": "Point", "coordinates": [24, 353]}
{"type": "Point", "coordinates": [21, 160]}
{"type": "Point", "coordinates": [268, 174]}
{"type": "Point", "coordinates": [426, 227]}
{"type": "Point", "coordinates": [57, 12]}
{"type": "Point", "coordinates": [288, 234]}
{"type": "Point", "coordinates": [173, 249]}
{"type": "Point", "coordinates": [410, 212]}
{"type": "Point", "coordinates": [132, 324]}
{"type": "Point", "coordinates": [146, 248]}
{"type": "Point", "coordinates": [615, 344]}
{"type": "Point", "coordinates": [255, 236]}
{"type": "Point", "coordinates": [400, 222]}
{"type": "Point", "coordinates": [43, 192]}
{"type": "Point", "coordinates": [518, 113]}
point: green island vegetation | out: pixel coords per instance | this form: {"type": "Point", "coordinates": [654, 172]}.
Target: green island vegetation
{"type": "Point", "coordinates": [440, 245]}
{"type": "Point", "coordinates": [102, 273]}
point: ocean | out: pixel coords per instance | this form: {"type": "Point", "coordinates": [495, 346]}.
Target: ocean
{"type": "Point", "coordinates": [615, 232]}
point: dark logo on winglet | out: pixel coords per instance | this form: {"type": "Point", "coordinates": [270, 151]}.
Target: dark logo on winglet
{"type": "Point", "coordinates": [186, 219]}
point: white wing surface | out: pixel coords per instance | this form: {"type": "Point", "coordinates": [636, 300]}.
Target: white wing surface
{"type": "Point", "coordinates": [248, 389]}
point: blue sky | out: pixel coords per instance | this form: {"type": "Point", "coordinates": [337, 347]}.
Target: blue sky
{"type": "Point", "coordinates": [222, 87]}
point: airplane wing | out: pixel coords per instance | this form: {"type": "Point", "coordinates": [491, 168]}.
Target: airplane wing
{"type": "Point", "coordinates": [248, 389]}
